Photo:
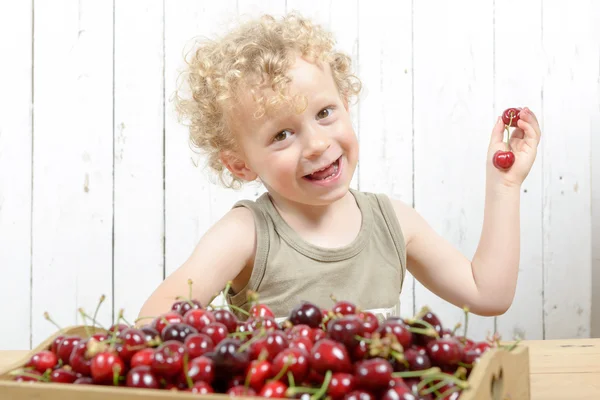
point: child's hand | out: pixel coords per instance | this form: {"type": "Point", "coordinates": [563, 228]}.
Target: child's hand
{"type": "Point", "coordinates": [523, 143]}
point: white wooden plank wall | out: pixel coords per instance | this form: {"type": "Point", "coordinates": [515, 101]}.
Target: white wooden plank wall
{"type": "Point", "coordinates": [100, 193]}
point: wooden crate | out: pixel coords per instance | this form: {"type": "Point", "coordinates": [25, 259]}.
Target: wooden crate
{"type": "Point", "coordinates": [499, 375]}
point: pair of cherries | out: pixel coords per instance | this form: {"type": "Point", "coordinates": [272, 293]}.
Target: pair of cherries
{"type": "Point", "coordinates": [505, 159]}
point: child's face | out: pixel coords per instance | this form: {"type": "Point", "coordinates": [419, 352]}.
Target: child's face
{"type": "Point", "coordinates": [284, 148]}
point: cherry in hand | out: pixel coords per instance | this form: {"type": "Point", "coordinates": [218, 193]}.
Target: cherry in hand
{"type": "Point", "coordinates": [505, 159]}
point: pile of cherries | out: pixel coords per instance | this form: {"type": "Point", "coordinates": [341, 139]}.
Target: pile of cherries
{"type": "Point", "coordinates": [341, 353]}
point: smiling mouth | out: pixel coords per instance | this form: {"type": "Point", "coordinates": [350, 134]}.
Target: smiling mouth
{"type": "Point", "coordinates": [326, 172]}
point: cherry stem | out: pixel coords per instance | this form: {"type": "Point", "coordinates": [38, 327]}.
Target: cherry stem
{"type": "Point", "coordinates": [422, 312]}
{"type": "Point", "coordinates": [249, 343]}
{"type": "Point", "coordinates": [449, 392]}
{"type": "Point", "coordinates": [127, 322]}
{"type": "Point", "coordinates": [417, 374]}
{"type": "Point", "coordinates": [241, 335]}
{"type": "Point", "coordinates": [426, 332]}
{"type": "Point", "coordinates": [85, 324]}
{"type": "Point", "coordinates": [458, 325]}
{"type": "Point", "coordinates": [23, 372]}
{"type": "Point", "coordinates": [289, 360]}
{"type": "Point", "coordinates": [190, 283]}
{"type": "Point", "coordinates": [47, 316]}
{"type": "Point", "coordinates": [333, 298]}
{"type": "Point", "coordinates": [466, 311]}
{"type": "Point", "coordinates": [141, 318]}
{"type": "Point", "coordinates": [102, 298]}
{"type": "Point", "coordinates": [252, 297]}
{"type": "Point", "coordinates": [116, 371]}
{"type": "Point", "coordinates": [434, 388]}
{"type": "Point", "coordinates": [323, 390]}
{"type": "Point", "coordinates": [94, 322]}
{"type": "Point", "coordinates": [291, 380]}
{"type": "Point", "coordinates": [236, 308]}
{"type": "Point", "coordinates": [186, 371]}
{"type": "Point", "coordinates": [364, 339]}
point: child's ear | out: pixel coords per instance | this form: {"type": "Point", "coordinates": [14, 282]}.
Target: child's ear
{"type": "Point", "coordinates": [345, 99]}
{"type": "Point", "coordinates": [237, 166]}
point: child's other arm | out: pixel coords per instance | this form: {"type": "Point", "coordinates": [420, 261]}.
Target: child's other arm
{"type": "Point", "coordinates": [220, 256]}
{"type": "Point", "coordinates": [487, 283]}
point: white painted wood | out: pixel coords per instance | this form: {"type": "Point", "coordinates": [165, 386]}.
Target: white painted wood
{"type": "Point", "coordinates": [188, 202]}
{"type": "Point", "coordinates": [518, 83]}
{"type": "Point", "coordinates": [15, 172]}
{"type": "Point", "coordinates": [453, 121]}
{"type": "Point", "coordinates": [341, 18]}
{"type": "Point", "coordinates": [73, 166]}
{"type": "Point", "coordinates": [385, 109]}
{"type": "Point", "coordinates": [570, 105]}
{"type": "Point", "coordinates": [469, 64]}
{"type": "Point", "coordinates": [138, 135]}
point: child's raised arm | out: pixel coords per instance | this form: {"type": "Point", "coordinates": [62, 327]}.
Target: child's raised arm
{"type": "Point", "coordinates": [487, 283]}
{"type": "Point", "coordinates": [220, 256]}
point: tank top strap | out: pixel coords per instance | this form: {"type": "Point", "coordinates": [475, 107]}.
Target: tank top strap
{"type": "Point", "coordinates": [394, 229]}
{"type": "Point", "coordinates": [263, 227]}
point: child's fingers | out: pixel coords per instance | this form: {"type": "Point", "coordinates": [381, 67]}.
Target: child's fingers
{"type": "Point", "coordinates": [528, 116]}
{"type": "Point", "coordinates": [531, 137]}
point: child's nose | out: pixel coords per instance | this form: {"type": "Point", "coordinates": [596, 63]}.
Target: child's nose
{"type": "Point", "coordinates": [317, 143]}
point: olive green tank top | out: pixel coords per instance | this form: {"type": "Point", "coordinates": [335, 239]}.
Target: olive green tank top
{"type": "Point", "coordinates": [287, 269]}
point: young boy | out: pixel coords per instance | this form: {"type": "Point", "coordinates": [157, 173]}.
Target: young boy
{"type": "Point", "coordinates": [270, 101]}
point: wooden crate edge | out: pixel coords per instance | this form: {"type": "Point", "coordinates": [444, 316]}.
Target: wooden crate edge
{"type": "Point", "coordinates": [501, 374]}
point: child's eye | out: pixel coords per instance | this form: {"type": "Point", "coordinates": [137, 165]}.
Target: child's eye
{"type": "Point", "coordinates": [324, 113]}
{"type": "Point", "coordinates": [281, 136]}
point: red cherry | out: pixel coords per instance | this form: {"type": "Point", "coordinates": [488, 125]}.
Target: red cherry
{"type": "Point", "coordinates": [198, 344]}
{"type": "Point", "coordinates": [417, 361]}
{"type": "Point", "coordinates": [446, 351]}
{"type": "Point", "coordinates": [178, 331]}
{"type": "Point", "coordinates": [344, 307]}
{"type": "Point", "coordinates": [359, 395]}
{"type": "Point", "coordinates": [65, 347]}
{"type": "Point", "coordinates": [374, 374]}
{"type": "Point", "coordinates": [63, 375]}
{"type": "Point", "coordinates": [142, 357]}
{"type": "Point", "coordinates": [345, 330]}
{"type": "Point", "coordinates": [302, 330]}
{"type": "Point", "coordinates": [273, 389]}
{"type": "Point", "coordinates": [370, 321]}
{"type": "Point", "coordinates": [328, 354]}
{"type": "Point", "coordinates": [241, 390]}
{"type": "Point", "coordinates": [227, 318]}
{"type": "Point", "coordinates": [168, 359]}
{"type": "Point", "coordinates": [30, 376]}
{"type": "Point", "coordinates": [216, 331]}
{"type": "Point", "coordinates": [198, 318]}
{"type": "Point", "coordinates": [229, 360]}
{"type": "Point", "coordinates": [273, 343]}
{"type": "Point", "coordinates": [399, 393]}
{"type": "Point", "coordinates": [503, 159]}
{"type": "Point", "coordinates": [201, 388]}
{"type": "Point", "coordinates": [303, 343]}
{"type": "Point", "coordinates": [261, 310]}
{"type": "Point", "coordinates": [397, 328]}
{"type": "Point", "coordinates": [142, 377]}
{"type": "Point", "coordinates": [183, 306]}
{"type": "Point", "coordinates": [258, 372]}
{"type": "Point", "coordinates": [165, 319]}
{"type": "Point", "coordinates": [514, 113]}
{"type": "Point", "coordinates": [306, 313]}
{"type": "Point", "coordinates": [296, 361]}
{"type": "Point", "coordinates": [340, 385]}
{"type": "Point", "coordinates": [131, 341]}
{"type": "Point", "coordinates": [80, 360]}
{"type": "Point", "coordinates": [42, 361]}
{"type": "Point", "coordinates": [105, 365]}
{"type": "Point", "coordinates": [199, 369]}
{"type": "Point", "coordinates": [55, 343]}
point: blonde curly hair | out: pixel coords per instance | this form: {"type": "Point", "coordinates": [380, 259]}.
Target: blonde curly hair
{"type": "Point", "coordinates": [255, 55]}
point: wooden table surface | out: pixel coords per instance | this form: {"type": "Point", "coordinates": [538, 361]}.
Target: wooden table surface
{"type": "Point", "coordinates": [560, 369]}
